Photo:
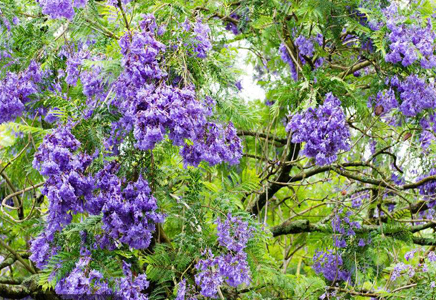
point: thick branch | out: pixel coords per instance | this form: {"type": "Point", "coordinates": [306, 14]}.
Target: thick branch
{"type": "Point", "coordinates": [259, 203]}
{"type": "Point", "coordinates": [13, 291]}
{"type": "Point", "coordinates": [18, 256]}
{"type": "Point", "coordinates": [355, 68]}
{"type": "Point", "coordinates": [424, 241]}
{"type": "Point", "coordinates": [293, 227]}
{"type": "Point", "coordinates": [20, 288]}
{"type": "Point", "coordinates": [263, 135]}
{"type": "Point", "coordinates": [8, 280]}
{"type": "Point", "coordinates": [419, 183]}
{"type": "Point", "coordinates": [7, 262]}
{"type": "Point", "coordinates": [302, 226]}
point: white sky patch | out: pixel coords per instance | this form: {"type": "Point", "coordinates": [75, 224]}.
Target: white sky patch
{"type": "Point", "coordinates": [250, 90]}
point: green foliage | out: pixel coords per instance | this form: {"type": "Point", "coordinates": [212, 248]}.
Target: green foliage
{"type": "Point", "coordinates": [194, 198]}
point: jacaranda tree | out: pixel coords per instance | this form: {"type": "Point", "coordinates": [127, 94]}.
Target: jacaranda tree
{"type": "Point", "coordinates": [134, 167]}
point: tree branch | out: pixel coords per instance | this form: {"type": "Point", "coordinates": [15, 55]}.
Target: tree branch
{"type": "Point", "coordinates": [424, 241]}
{"type": "Point", "coordinates": [18, 256]}
{"type": "Point", "coordinates": [263, 135]}
{"type": "Point", "coordinates": [355, 68]}
{"type": "Point", "coordinates": [7, 262]}
{"type": "Point", "coordinates": [13, 291]}
{"type": "Point", "coordinates": [304, 226]}
{"type": "Point", "coordinates": [9, 280]}
{"type": "Point", "coordinates": [273, 188]}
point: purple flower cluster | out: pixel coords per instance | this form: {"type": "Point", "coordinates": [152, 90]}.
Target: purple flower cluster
{"type": "Point", "coordinates": [431, 256]}
{"type": "Point", "coordinates": [305, 46]}
{"type": "Point", "coordinates": [92, 84]}
{"type": "Point", "coordinates": [129, 288]}
{"type": "Point", "coordinates": [428, 189]}
{"type": "Point", "coordinates": [343, 226]}
{"type": "Point", "coordinates": [358, 198]}
{"type": "Point", "coordinates": [230, 267]}
{"type": "Point", "coordinates": [428, 126]}
{"type": "Point", "coordinates": [324, 130]}
{"type": "Point", "coordinates": [233, 233]}
{"type": "Point", "coordinates": [201, 43]}
{"type": "Point", "coordinates": [181, 290]}
{"type": "Point", "coordinates": [83, 283]}
{"type": "Point", "coordinates": [214, 144]}
{"type": "Point", "coordinates": [210, 277]}
{"type": "Point", "coordinates": [410, 42]}
{"type": "Point", "coordinates": [306, 49]}
{"type": "Point", "coordinates": [74, 61]}
{"type": "Point", "coordinates": [66, 186]}
{"type": "Point", "coordinates": [399, 268]}
{"type": "Point", "coordinates": [152, 109]}
{"type": "Point", "coordinates": [330, 265]}
{"type": "Point", "coordinates": [42, 250]}
{"type": "Point", "coordinates": [16, 90]}
{"type": "Point", "coordinates": [239, 22]}
{"type": "Point", "coordinates": [416, 95]}
{"type": "Point", "coordinates": [129, 215]}
{"type": "Point", "coordinates": [186, 292]}
{"type": "Point", "coordinates": [58, 9]}
{"type": "Point", "coordinates": [231, 26]}
{"type": "Point", "coordinates": [402, 268]}
{"type": "Point", "coordinates": [384, 102]}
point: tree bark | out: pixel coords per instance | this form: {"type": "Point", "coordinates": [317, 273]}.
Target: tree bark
{"type": "Point", "coordinates": [273, 188]}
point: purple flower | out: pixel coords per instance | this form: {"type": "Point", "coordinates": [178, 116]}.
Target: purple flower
{"type": "Point", "coordinates": [340, 243]}
{"type": "Point", "coordinates": [431, 256]}
{"type": "Point", "coordinates": [238, 85]}
{"type": "Point", "coordinates": [233, 233]}
{"type": "Point", "coordinates": [409, 41]}
{"type": "Point", "coordinates": [152, 109]}
{"type": "Point", "coordinates": [129, 288]}
{"type": "Point", "coordinates": [57, 9]}
{"type": "Point", "coordinates": [324, 130]}
{"type": "Point", "coordinates": [66, 186]}
{"type": "Point", "coordinates": [416, 95]}
{"type": "Point", "coordinates": [81, 282]}
{"type": "Point", "coordinates": [41, 251]}
{"type": "Point", "coordinates": [305, 46]}
{"type": "Point", "coordinates": [16, 91]}
{"type": "Point", "coordinates": [330, 265]}
{"type": "Point", "coordinates": [181, 290]}
{"type": "Point", "coordinates": [428, 189]}
{"type": "Point", "coordinates": [201, 43]}
{"type": "Point", "coordinates": [409, 255]}
{"type": "Point", "coordinates": [397, 270]}
{"type": "Point", "coordinates": [231, 267]}
{"type": "Point", "coordinates": [358, 198]}
{"type": "Point", "coordinates": [129, 214]}
{"type": "Point", "coordinates": [384, 102]}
